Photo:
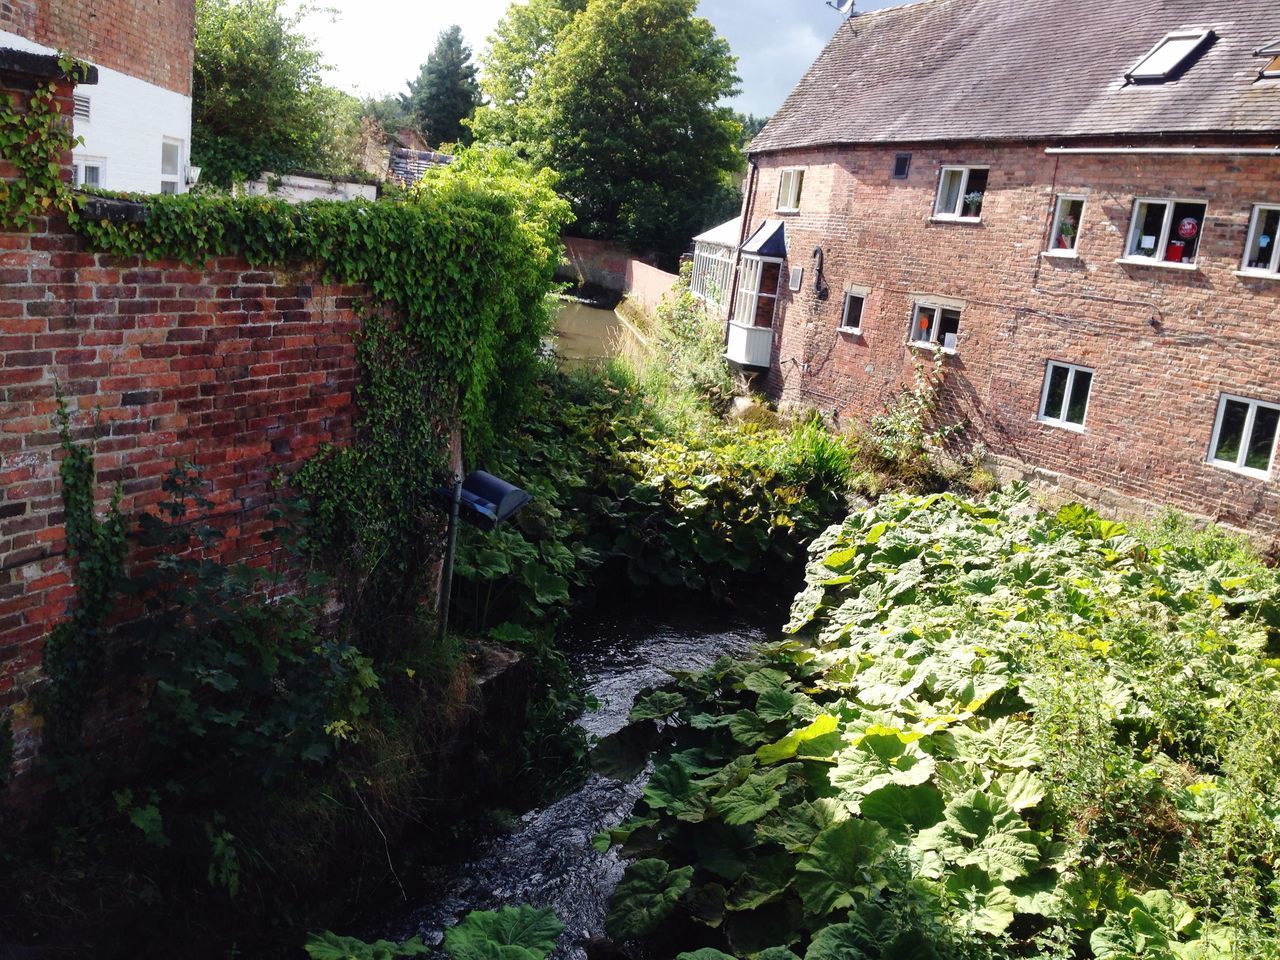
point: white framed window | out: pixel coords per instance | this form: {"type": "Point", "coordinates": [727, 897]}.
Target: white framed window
{"type": "Point", "coordinates": [789, 189]}
{"type": "Point", "coordinates": [1244, 435]}
{"type": "Point", "coordinates": [1166, 231]}
{"type": "Point", "coordinates": [1068, 212]}
{"type": "Point", "coordinates": [712, 272]}
{"type": "Point", "coordinates": [934, 325]}
{"type": "Point", "coordinates": [1262, 251]}
{"type": "Point", "coordinates": [1168, 56]}
{"type": "Point", "coordinates": [851, 317]}
{"type": "Point", "coordinates": [170, 165]}
{"type": "Point", "coordinates": [1064, 401]}
{"type": "Point", "coordinates": [82, 107]}
{"type": "Point", "coordinates": [758, 282]}
{"type": "Point", "coordinates": [901, 166]}
{"type": "Point", "coordinates": [87, 171]}
{"type": "Point", "coordinates": [960, 193]}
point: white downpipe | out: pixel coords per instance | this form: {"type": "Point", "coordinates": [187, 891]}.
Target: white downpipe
{"type": "Point", "coordinates": [1169, 151]}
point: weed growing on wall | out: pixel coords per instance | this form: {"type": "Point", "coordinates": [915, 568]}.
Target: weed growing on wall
{"type": "Point", "coordinates": [992, 733]}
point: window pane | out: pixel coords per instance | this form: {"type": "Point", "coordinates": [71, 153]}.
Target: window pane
{"type": "Point", "coordinates": [1067, 229]}
{"type": "Point", "coordinates": [1262, 244]}
{"type": "Point", "coordinates": [1231, 433]}
{"type": "Point", "coordinates": [92, 176]}
{"type": "Point", "coordinates": [1166, 58]}
{"type": "Point", "coordinates": [1056, 395]}
{"type": "Point", "coordinates": [949, 191]}
{"type": "Point", "coordinates": [1263, 438]}
{"type": "Point", "coordinates": [974, 191]}
{"type": "Point", "coordinates": [1080, 385]}
{"type": "Point", "coordinates": [797, 186]}
{"type": "Point", "coordinates": [922, 325]}
{"type": "Point", "coordinates": [852, 312]}
{"type": "Point", "coordinates": [1150, 222]}
{"type": "Point", "coordinates": [950, 323]}
{"type": "Point", "coordinates": [1184, 232]}
{"type": "Point", "coordinates": [170, 157]}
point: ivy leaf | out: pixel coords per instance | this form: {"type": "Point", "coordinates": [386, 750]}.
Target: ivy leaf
{"type": "Point", "coordinates": [512, 933]}
{"type": "Point", "coordinates": [844, 860]}
{"type": "Point", "coordinates": [647, 896]}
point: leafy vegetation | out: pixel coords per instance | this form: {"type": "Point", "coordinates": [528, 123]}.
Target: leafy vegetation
{"type": "Point", "coordinates": [623, 100]}
{"type": "Point", "coordinates": [512, 933]}
{"type": "Point", "coordinates": [445, 92]}
{"type": "Point", "coordinates": [259, 101]}
{"type": "Point", "coordinates": [994, 733]}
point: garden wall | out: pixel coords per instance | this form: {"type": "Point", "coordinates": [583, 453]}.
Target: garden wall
{"type": "Point", "coordinates": [244, 372]}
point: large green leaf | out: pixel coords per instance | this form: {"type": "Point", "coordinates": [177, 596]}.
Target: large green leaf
{"type": "Point", "coordinates": [765, 880]}
{"type": "Point", "coordinates": [878, 760]}
{"type": "Point", "coordinates": [903, 809]}
{"type": "Point", "coordinates": [978, 904]}
{"type": "Point", "coordinates": [330, 946]}
{"type": "Point", "coordinates": [843, 863]}
{"type": "Point", "coordinates": [647, 896]}
{"type": "Point", "coordinates": [821, 728]}
{"type": "Point", "coordinates": [840, 941]}
{"type": "Point", "coordinates": [512, 933]}
{"type": "Point", "coordinates": [752, 799]}
{"type": "Point", "coordinates": [981, 830]}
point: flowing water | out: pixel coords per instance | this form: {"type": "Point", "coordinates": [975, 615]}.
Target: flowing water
{"type": "Point", "coordinates": [548, 859]}
{"type": "Point", "coordinates": [588, 334]}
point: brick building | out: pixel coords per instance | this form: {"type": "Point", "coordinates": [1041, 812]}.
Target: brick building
{"type": "Point", "coordinates": [136, 121]}
{"type": "Point", "coordinates": [1075, 205]}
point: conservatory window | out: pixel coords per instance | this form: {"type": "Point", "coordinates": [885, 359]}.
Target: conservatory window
{"type": "Point", "coordinates": [712, 269]}
{"type": "Point", "coordinates": [1065, 398]}
{"type": "Point", "coordinates": [960, 193]}
{"type": "Point", "coordinates": [1262, 252]}
{"type": "Point", "coordinates": [1166, 231]}
{"type": "Point", "coordinates": [757, 292]}
{"type": "Point", "coordinates": [1244, 436]}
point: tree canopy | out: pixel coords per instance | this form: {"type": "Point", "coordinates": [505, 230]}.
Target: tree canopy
{"type": "Point", "coordinates": [445, 91]}
{"type": "Point", "coordinates": [622, 98]}
{"type": "Point", "coordinates": [258, 97]}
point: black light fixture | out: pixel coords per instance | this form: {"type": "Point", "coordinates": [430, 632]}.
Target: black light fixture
{"type": "Point", "coordinates": [482, 500]}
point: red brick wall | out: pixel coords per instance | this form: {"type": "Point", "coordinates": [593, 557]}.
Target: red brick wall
{"type": "Point", "coordinates": [1164, 343]}
{"type": "Point", "coordinates": [242, 371]}
{"type": "Point", "coordinates": [149, 39]}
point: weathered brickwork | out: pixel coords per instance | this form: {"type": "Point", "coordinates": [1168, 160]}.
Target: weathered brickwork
{"type": "Point", "coordinates": [243, 372]}
{"type": "Point", "coordinates": [152, 40]}
{"type": "Point", "coordinates": [1164, 342]}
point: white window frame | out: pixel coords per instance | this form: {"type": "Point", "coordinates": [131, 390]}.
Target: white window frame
{"type": "Point", "coordinates": [78, 164]}
{"type": "Point", "coordinates": [790, 189]}
{"type": "Point", "coordinates": [1061, 420]}
{"type": "Point", "coordinates": [750, 276]}
{"type": "Point", "coordinates": [932, 342]}
{"type": "Point", "coordinates": [1247, 435]}
{"type": "Point", "coordinates": [1056, 232]}
{"type": "Point", "coordinates": [712, 273]}
{"type": "Point", "coordinates": [1162, 243]}
{"type": "Point", "coordinates": [1198, 37]}
{"type": "Point", "coordinates": [1255, 223]}
{"type": "Point", "coordinates": [174, 178]}
{"type": "Point", "coordinates": [957, 214]}
{"type": "Point", "coordinates": [852, 294]}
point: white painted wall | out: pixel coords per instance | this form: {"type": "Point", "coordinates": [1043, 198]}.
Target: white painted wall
{"type": "Point", "coordinates": [129, 121]}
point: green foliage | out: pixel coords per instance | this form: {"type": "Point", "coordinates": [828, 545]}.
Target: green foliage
{"type": "Point", "coordinates": [258, 99]}
{"type": "Point", "coordinates": [512, 933]}
{"type": "Point", "coordinates": [688, 356]}
{"type": "Point", "coordinates": [623, 100]}
{"type": "Point", "coordinates": [330, 946]}
{"type": "Point", "coordinates": [994, 733]}
{"type": "Point", "coordinates": [35, 137]}
{"type": "Point", "coordinates": [75, 651]}
{"type": "Point", "coordinates": [445, 93]}
{"type": "Point", "coordinates": [902, 440]}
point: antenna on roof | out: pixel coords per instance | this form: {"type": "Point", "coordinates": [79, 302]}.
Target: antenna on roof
{"type": "Point", "coordinates": [842, 7]}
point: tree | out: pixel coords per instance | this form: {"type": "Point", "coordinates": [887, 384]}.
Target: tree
{"type": "Point", "coordinates": [523, 41]}
{"type": "Point", "coordinates": [627, 110]}
{"type": "Point", "coordinates": [258, 100]}
{"type": "Point", "coordinates": [445, 92]}
{"type": "Point", "coordinates": [751, 127]}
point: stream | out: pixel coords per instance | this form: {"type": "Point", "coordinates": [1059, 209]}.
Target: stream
{"type": "Point", "coordinates": [548, 860]}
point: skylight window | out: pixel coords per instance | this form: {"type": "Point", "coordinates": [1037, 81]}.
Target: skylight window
{"type": "Point", "coordinates": [1169, 56]}
{"type": "Point", "coordinates": [1272, 52]}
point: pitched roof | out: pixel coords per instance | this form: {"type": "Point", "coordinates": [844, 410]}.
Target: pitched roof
{"type": "Point", "coordinates": [725, 235]}
{"type": "Point", "coordinates": [1029, 69]}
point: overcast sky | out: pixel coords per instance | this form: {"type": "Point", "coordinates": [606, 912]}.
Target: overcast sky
{"type": "Point", "coordinates": [376, 45]}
